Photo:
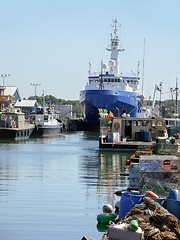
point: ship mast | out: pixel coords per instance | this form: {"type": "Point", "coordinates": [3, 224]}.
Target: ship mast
{"type": "Point", "coordinates": [114, 48]}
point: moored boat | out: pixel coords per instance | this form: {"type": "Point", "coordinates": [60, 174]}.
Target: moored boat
{"type": "Point", "coordinates": [13, 125]}
{"type": "Point", "coordinates": [109, 89]}
{"type": "Point", "coordinates": [46, 123]}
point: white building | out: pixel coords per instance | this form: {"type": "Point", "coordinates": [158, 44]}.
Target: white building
{"type": "Point", "coordinates": [65, 111]}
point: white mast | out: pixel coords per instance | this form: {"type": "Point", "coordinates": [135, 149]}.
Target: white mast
{"type": "Point", "coordinates": [114, 61]}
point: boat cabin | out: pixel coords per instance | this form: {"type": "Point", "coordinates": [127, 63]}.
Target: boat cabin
{"type": "Point", "coordinates": [132, 129]}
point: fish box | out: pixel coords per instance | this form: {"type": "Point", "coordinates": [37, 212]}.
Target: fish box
{"type": "Point", "coordinates": [121, 232]}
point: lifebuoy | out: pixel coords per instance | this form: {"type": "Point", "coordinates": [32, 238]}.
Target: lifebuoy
{"type": "Point", "coordinates": [116, 126]}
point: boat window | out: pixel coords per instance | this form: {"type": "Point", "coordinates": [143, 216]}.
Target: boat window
{"type": "Point", "coordinates": [139, 123]}
{"type": "Point", "coordinates": [105, 80]}
{"type": "Point", "coordinates": [135, 123]}
{"type": "Point", "coordinates": [21, 133]}
{"type": "Point", "coordinates": [171, 122]}
{"type": "Point", "coordinates": [33, 117]}
{"type": "Point", "coordinates": [159, 124]}
{"type": "Point", "coordinates": [109, 79]}
{"type": "Point", "coordinates": [45, 117]}
{"type": "Point", "coordinates": [178, 123]}
{"type": "Point", "coordinates": [144, 123]}
{"type": "Point", "coordinates": [112, 80]}
{"type": "Point", "coordinates": [153, 123]}
{"type": "Point", "coordinates": [127, 123]}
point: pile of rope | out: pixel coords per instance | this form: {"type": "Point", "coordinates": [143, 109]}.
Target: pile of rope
{"type": "Point", "coordinates": [155, 221]}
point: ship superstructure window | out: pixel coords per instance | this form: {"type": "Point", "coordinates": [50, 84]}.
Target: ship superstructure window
{"type": "Point", "coordinates": [159, 124]}
{"type": "Point", "coordinates": [105, 80]}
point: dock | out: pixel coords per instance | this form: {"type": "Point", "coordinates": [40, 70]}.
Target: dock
{"type": "Point", "coordinates": [129, 145]}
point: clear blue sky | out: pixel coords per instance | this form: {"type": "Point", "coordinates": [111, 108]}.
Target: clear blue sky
{"type": "Point", "coordinates": [52, 41]}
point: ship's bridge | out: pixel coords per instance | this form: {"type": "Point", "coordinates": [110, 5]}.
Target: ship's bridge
{"type": "Point", "coordinates": [115, 81]}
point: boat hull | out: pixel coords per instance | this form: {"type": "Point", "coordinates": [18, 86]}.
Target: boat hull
{"type": "Point", "coordinates": [16, 133]}
{"type": "Point", "coordinates": [43, 131]}
{"type": "Point", "coordinates": [92, 100]}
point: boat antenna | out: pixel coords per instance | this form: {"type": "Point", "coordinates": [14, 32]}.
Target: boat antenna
{"type": "Point", "coordinates": [176, 89]}
{"type": "Point", "coordinates": [138, 69]}
{"type": "Point", "coordinates": [101, 85]}
{"type": "Point", "coordinates": [89, 69]}
{"type": "Point", "coordinates": [143, 67]}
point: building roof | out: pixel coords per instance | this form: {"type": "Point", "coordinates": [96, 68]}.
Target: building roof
{"type": "Point", "coordinates": [26, 103]}
{"type": "Point", "coordinates": [10, 91]}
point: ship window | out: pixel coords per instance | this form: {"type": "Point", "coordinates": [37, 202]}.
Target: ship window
{"type": "Point", "coordinates": [46, 117]}
{"type": "Point", "coordinates": [116, 43]}
{"type": "Point", "coordinates": [145, 123]}
{"type": "Point", "coordinates": [159, 124]}
{"type": "Point", "coordinates": [109, 79]}
{"type": "Point", "coordinates": [135, 123]}
{"type": "Point", "coordinates": [112, 80]}
{"type": "Point", "coordinates": [116, 79]}
{"type": "Point", "coordinates": [105, 80]}
{"type": "Point", "coordinates": [153, 123]}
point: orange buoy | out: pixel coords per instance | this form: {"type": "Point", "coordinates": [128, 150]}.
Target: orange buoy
{"type": "Point", "coordinates": [152, 194]}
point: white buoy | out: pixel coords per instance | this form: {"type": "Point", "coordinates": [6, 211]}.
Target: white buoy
{"type": "Point", "coordinates": [107, 208]}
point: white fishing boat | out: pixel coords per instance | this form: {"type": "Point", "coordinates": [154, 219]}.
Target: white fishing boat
{"type": "Point", "coordinates": [46, 123]}
{"type": "Point", "coordinates": [14, 125]}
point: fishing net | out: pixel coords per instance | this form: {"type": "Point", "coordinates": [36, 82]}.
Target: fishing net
{"type": "Point", "coordinates": [159, 174]}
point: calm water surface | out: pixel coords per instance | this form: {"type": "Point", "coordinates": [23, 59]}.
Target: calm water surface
{"type": "Point", "coordinates": [54, 188]}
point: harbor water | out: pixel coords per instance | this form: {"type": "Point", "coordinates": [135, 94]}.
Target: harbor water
{"type": "Point", "coordinates": [54, 188]}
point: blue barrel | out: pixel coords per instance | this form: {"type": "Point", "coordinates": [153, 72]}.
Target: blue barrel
{"type": "Point", "coordinates": [173, 206]}
{"type": "Point", "coordinates": [174, 194]}
{"type": "Point", "coordinates": [128, 201]}
{"type": "Point", "coordinates": [142, 136]}
{"type": "Point", "coordinates": [146, 136]}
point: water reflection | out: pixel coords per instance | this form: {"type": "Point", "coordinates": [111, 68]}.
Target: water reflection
{"type": "Point", "coordinates": [106, 171]}
{"type": "Point", "coordinates": [45, 183]}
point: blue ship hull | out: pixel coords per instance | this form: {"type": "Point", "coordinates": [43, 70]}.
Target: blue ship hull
{"type": "Point", "coordinates": [91, 100]}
